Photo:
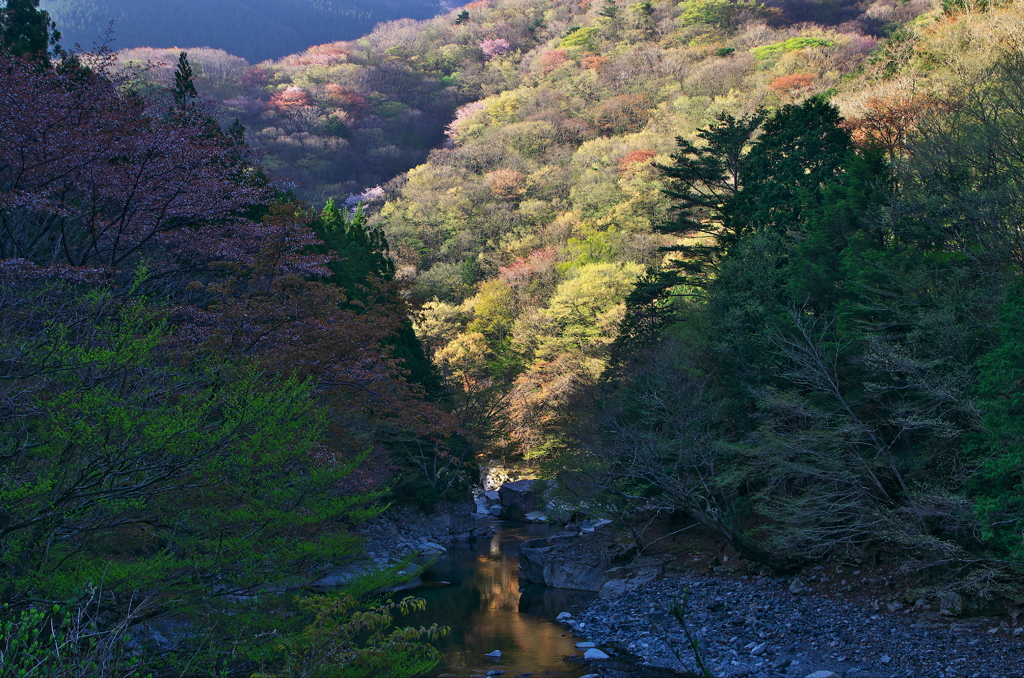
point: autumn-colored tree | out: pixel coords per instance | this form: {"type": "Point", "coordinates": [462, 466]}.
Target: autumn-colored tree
{"type": "Point", "coordinates": [291, 98]}
{"type": "Point", "coordinates": [888, 122]}
{"type": "Point", "coordinates": [506, 183]}
{"type": "Point", "coordinates": [635, 158]}
{"type": "Point", "coordinates": [791, 87]}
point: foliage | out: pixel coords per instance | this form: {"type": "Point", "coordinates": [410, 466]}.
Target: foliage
{"type": "Point", "coordinates": [350, 638]}
{"type": "Point", "coordinates": [723, 14]}
{"type": "Point", "coordinates": [254, 29]}
{"type": "Point", "coordinates": [194, 414]}
{"type": "Point", "coordinates": [25, 30]}
{"type": "Point", "coordinates": [998, 484]}
{"type": "Point", "coordinates": [777, 49]}
{"type": "Point", "coordinates": [66, 641]}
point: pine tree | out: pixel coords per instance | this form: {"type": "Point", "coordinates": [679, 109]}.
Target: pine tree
{"type": "Point", "coordinates": [26, 30]}
{"type": "Point", "coordinates": [184, 89]}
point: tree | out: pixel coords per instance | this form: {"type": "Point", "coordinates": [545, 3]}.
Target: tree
{"type": "Point", "coordinates": [179, 375]}
{"type": "Point", "coordinates": [26, 30]}
{"type": "Point", "coordinates": [998, 486]}
{"type": "Point", "coordinates": [184, 89]}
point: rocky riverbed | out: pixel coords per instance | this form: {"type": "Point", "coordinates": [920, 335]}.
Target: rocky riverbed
{"type": "Point", "coordinates": [760, 627]}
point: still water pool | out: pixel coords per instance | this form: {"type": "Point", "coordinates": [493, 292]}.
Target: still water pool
{"type": "Point", "coordinates": [475, 590]}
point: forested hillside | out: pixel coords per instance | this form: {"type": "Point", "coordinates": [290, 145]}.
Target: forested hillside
{"type": "Point", "coordinates": [702, 257]}
{"type": "Point", "coordinates": [748, 261]}
{"type": "Point", "coordinates": [253, 29]}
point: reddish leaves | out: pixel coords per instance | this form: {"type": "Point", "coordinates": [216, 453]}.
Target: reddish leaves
{"type": "Point", "coordinates": [887, 122]}
{"type": "Point", "coordinates": [89, 179]}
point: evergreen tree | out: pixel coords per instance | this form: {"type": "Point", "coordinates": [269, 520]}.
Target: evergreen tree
{"type": "Point", "coordinates": [363, 260]}
{"type": "Point", "coordinates": [26, 30]}
{"type": "Point", "coordinates": [184, 88]}
{"type": "Point", "coordinates": [999, 485]}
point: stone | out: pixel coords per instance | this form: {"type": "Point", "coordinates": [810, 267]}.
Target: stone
{"type": "Point", "coordinates": [491, 496]}
{"type": "Point", "coordinates": [568, 561]}
{"type": "Point", "coordinates": [536, 517]}
{"type": "Point", "coordinates": [519, 498]}
{"type": "Point", "coordinates": [594, 653]}
{"type": "Point", "coordinates": [429, 548]}
{"type": "Point", "coordinates": [614, 588]}
{"type": "Point", "coordinates": [955, 605]}
{"type": "Point", "coordinates": [495, 673]}
{"type": "Point", "coordinates": [494, 655]}
{"type": "Point", "coordinates": [822, 674]}
{"type": "Point", "coordinates": [589, 675]}
{"type": "Point", "coordinates": [759, 650]}
{"type": "Point", "coordinates": [563, 616]}
{"type": "Point", "coordinates": [496, 510]}
{"type": "Point", "coordinates": [585, 646]}
{"type": "Point", "coordinates": [797, 587]}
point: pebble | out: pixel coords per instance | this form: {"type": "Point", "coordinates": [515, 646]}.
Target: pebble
{"type": "Point", "coordinates": [586, 645]}
{"type": "Point", "coordinates": [757, 628]}
{"type": "Point", "coordinates": [496, 654]}
{"type": "Point", "coordinates": [594, 653]}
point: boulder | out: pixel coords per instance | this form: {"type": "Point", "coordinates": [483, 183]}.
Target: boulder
{"type": "Point", "coordinates": [536, 517]}
{"type": "Point", "coordinates": [570, 561]}
{"type": "Point", "coordinates": [956, 605]}
{"type": "Point", "coordinates": [625, 579]}
{"type": "Point", "coordinates": [519, 498]}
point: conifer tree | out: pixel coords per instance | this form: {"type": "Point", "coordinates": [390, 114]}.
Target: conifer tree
{"type": "Point", "coordinates": [26, 30]}
{"type": "Point", "coordinates": [184, 89]}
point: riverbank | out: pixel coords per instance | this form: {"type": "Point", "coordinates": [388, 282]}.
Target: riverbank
{"type": "Point", "coordinates": [764, 627]}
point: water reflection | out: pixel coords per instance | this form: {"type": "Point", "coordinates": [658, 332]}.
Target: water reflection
{"type": "Point", "coordinates": [483, 605]}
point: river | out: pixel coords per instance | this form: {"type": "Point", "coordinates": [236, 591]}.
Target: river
{"type": "Point", "coordinates": [487, 610]}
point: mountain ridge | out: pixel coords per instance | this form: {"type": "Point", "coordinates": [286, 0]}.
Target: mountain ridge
{"type": "Point", "coordinates": [256, 30]}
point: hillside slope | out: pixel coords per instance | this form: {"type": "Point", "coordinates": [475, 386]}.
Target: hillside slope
{"type": "Point", "coordinates": [253, 29]}
{"type": "Point", "coordinates": [756, 264]}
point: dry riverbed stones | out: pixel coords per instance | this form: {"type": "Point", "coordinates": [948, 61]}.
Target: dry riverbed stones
{"type": "Point", "coordinates": [759, 628]}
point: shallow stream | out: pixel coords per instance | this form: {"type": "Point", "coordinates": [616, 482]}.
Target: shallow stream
{"type": "Point", "coordinates": [487, 610]}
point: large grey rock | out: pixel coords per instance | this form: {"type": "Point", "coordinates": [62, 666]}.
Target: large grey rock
{"type": "Point", "coordinates": [519, 498]}
{"type": "Point", "coordinates": [569, 561]}
{"type": "Point", "coordinates": [628, 578]}
{"type": "Point", "coordinates": [957, 605]}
